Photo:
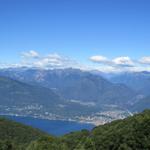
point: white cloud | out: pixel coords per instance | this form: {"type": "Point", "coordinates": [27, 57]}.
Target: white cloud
{"type": "Point", "coordinates": [121, 64]}
{"type": "Point", "coordinates": [30, 54]}
{"type": "Point", "coordinates": [107, 69]}
{"type": "Point", "coordinates": [145, 60]}
{"type": "Point", "coordinates": [119, 61]}
{"type": "Point", "coordinates": [53, 60]}
{"type": "Point", "coordinates": [123, 61]}
{"type": "Point", "coordinates": [99, 59]}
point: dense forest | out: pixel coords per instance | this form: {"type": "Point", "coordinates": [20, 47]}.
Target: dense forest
{"type": "Point", "coordinates": [132, 133]}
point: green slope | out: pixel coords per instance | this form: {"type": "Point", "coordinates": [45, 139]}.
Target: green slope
{"type": "Point", "coordinates": [132, 133]}
{"type": "Point", "coordinates": [15, 135]}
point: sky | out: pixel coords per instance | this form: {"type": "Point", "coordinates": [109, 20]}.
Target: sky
{"type": "Point", "coordinates": [109, 35]}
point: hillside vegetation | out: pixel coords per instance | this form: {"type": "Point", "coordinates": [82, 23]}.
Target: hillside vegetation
{"type": "Point", "coordinates": [132, 133]}
{"type": "Point", "coordinates": [16, 136]}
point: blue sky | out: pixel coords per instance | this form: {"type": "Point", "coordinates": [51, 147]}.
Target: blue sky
{"type": "Point", "coordinates": [78, 29]}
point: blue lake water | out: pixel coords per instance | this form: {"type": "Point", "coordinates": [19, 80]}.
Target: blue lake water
{"type": "Point", "coordinates": [53, 127]}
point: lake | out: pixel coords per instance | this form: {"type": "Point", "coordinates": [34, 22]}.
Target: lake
{"type": "Point", "coordinates": [53, 127]}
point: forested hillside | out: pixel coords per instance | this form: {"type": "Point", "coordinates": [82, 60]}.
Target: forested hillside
{"type": "Point", "coordinates": [15, 136]}
{"type": "Point", "coordinates": [132, 133]}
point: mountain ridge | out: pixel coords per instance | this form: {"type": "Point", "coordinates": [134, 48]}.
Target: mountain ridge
{"type": "Point", "coordinates": [74, 84]}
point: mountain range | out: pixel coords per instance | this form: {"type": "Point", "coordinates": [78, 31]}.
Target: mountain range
{"type": "Point", "coordinates": [138, 81]}
{"type": "Point", "coordinates": [71, 93]}
{"type": "Point", "coordinates": [13, 92]}
{"type": "Point", "coordinates": [74, 84]}
{"type": "Point", "coordinates": [24, 99]}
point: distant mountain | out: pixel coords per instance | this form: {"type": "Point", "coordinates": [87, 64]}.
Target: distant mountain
{"type": "Point", "coordinates": [74, 84]}
{"type": "Point", "coordinates": [16, 93]}
{"type": "Point", "coordinates": [21, 98]}
{"type": "Point", "coordinates": [141, 105]}
{"type": "Point", "coordinates": [138, 81]}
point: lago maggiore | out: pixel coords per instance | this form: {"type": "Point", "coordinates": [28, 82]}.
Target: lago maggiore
{"type": "Point", "coordinates": [53, 127]}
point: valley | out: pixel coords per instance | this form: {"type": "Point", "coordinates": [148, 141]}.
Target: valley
{"type": "Point", "coordinates": [66, 94]}
{"type": "Point", "coordinates": [36, 111]}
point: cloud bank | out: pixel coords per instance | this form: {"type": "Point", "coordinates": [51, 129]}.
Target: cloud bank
{"type": "Point", "coordinates": [145, 60]}
{"type": "Point", "coordinates": [35, 60]}
{"type": "Point", "coordinates": [120, 64]}
{"type": "Point", "coordinates": [97, 62]}
{"type": "Point", "coordinates": [54, 60]}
